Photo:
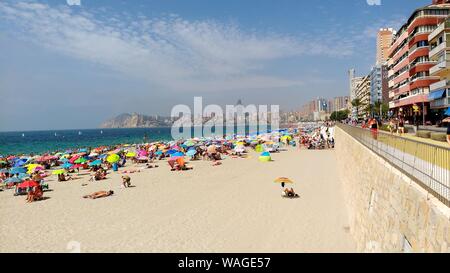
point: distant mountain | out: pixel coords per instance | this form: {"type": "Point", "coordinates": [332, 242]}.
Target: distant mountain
{"type": "Point", "coordinates": [135, 120]}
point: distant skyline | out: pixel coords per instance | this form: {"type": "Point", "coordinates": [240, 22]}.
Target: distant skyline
{"type": "Point", "coordinates": [73, 66]}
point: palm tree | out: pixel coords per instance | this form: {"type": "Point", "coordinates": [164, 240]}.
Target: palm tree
{"type": "Point", "coordinates": [377, 107]}
{"type": "Point", "coordinates": [356, 103]}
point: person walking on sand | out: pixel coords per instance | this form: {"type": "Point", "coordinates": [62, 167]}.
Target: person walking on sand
{"type": "Point", "coordinates": [126, 181]}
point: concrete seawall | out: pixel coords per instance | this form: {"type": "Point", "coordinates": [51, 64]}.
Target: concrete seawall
{"type": "Point", "coordinates": [388, 211]}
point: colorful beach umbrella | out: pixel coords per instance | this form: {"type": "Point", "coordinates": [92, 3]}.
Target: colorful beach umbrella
{"type": "Point", "coordinates": [67, 165]}
{"type": "Point", "coordinates": [77, 166]}
{"type": "Point", "coordinates": [80, 160]}
{"type": "Point", "coordinates": [95, 163]}
{"type": "Point", "coordinates": [283, 180]}
{"type": "Point", "coordinates": [113, 158]}
{"type": "Point", "coordinates": [73, 158]}
{"type": "Point", "coordinates": [447, 113]}
{"type": "Point", "coordinates": [23, 176]}
{"type": "Point", "coordinates": [189, 143]}
{"type": "Point", "coordinates": [177, 154]}
{"type": "Point", "coordinates": [17, 170]}
{"type": "Point", "coordinates": [142, 153]}
{"type": "Point", "coordinates": [20, 162]}
{"type": "Point", "coordinates": [61, 171]}
{"type": "Point", "coordinates": [13, 180]}
{"type": "Point", "coordinates": [130, 154]}
{"type": "Point", "coordinates": [265, 157]}
{"type": "Point", "coordinates": [191, 152]}
{"type": "Point", "coordinates": [28, 184]}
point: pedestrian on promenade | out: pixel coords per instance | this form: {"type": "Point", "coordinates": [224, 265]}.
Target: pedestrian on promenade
{"type": "Point", "coordinates": [448, 129]}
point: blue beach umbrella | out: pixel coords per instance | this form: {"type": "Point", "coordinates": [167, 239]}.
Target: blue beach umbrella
{"type": "Point", "coordinates": [103, 156]}
{"type": "Point", "coordinates": [159, 152]}
{"type": "Point", "coordinates": [23, 175]}
{"type": "Point", "coordinates": [13, 180]}
{"type": "Point", "coordinates": [171, 152]}
{"type": "Point", "coordinates": [64, 160]}
{"type": "Point", "coordinates": [20, 162]}
{"type": "Point", "coordinates": [96, 162]}
{"type": "Point", "coordinates": [17, 170]}
{"type": "Point", "coordinates": [177, 154]}
{"type": "Point", "coordinates": [66, 165]}
{"type": "Point", "coordinates": [191, 152]}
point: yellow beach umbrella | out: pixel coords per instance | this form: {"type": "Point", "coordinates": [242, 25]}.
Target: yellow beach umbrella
{"type": "Point", "coordinates": [113, 158]}
{"type": "Point", "coordinates": [283, 180]}
{"type": "Point", "coordinates": [59, 171]}
{"type": "Point", "coordinates": [33, 166]}
{"type": "Point", "coordinates": [130, 154]}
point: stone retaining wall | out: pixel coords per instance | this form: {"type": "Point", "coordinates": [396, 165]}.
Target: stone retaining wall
{"type": "Point", "coordinates": [388, 211]}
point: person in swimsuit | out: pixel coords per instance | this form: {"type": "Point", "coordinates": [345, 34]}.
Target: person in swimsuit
{"type": "Point", "coordinates": [401, 127]}
{"type": "Point", "coordinates": [99, 194]}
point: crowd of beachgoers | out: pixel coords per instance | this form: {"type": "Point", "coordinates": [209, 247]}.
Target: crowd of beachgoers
{"type": "Point", "coordinates": [30, 174]}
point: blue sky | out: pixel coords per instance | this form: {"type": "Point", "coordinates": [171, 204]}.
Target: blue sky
{"type": "Point", "coordinates": [68, 66]}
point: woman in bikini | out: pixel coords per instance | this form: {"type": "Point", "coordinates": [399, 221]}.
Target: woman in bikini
{"type": "Point", "coordinates": [99, 194]}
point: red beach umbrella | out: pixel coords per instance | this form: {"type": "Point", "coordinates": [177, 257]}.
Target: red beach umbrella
{"type": "Point", "coordinates": [28, 184]}
{"type": "Point", "coordinates": [75, 157]}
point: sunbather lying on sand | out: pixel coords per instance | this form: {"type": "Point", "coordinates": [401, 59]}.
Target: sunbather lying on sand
{"type": "Point", "coordinates": [178, 165]}
{"type": "Point", "coordinates": [63, 178]}
{"type": "Point", "coordinates": [99, 194]}
{"type": "Point", "coordinates": [132, 171]}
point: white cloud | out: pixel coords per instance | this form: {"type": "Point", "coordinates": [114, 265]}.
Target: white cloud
{"type": "Point", "coordinates": [74, 2]}
{"type": "Point", "coordinates": [170, 52]}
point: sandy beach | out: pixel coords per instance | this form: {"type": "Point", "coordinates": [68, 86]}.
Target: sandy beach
{"type": "Point", "coordinates": [234, 207]}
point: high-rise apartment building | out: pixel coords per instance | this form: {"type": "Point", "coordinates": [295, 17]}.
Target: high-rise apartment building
{"type": "Point", "coordinates": [353, 82]}
{"type": "Point", "coordinates": [379, 89]}
{"type": "Point", "coordinates": [439, 41]}
{"type": "Point", "coordinates": [409, 64]}
{"type": "Point", "coordinates": [363, 95]}
{"type": "Point", "coordinates": [384, 41]}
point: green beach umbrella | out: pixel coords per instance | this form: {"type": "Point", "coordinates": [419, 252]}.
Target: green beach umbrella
{"type": "Point", "coordinates": [80, 160]}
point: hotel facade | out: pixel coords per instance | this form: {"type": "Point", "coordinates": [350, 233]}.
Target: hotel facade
{"type": "Point", "coordinates": [409, 77]}
{"type": "Point", "coordinates": [439, 41]}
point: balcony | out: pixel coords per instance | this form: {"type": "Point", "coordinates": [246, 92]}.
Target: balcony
{"type": "Point", "coordinates": [438, 30]}
{"type": "Point", "coordinates": [439, 85]}
{"type": "Point", "coordinates": [440, 68]}
{"type": "Point", "coordinates": [443, 46]}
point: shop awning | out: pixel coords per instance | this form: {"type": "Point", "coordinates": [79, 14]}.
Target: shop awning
{"type": "Point", "coordinates": [436, 94]}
